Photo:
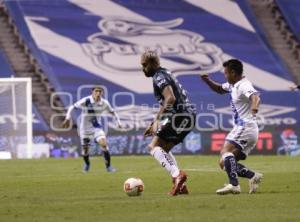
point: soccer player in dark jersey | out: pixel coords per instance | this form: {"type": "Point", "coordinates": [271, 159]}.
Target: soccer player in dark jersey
{"type": "Point", "coordinates": [175, 119]}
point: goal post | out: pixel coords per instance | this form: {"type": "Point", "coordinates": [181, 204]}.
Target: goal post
{"type": "Point", "coordinates": [16, 117]}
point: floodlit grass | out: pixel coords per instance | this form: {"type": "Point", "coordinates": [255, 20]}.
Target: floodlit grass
{"type": "Point", "coordinates": [57, 190]}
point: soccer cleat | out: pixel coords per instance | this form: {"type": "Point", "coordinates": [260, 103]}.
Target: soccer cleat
{"type": "Point", "coordinates": [254, 181]}
{"type": "Point", "coordinates": [178, 182]}
{"type": "Point", "coordinates": [86, 168]}
{"type": "Point", "coordinates": [111, 169]}
{"type": "Point", "coordinates": [183, 190]}
{"type": "Point", "coordinates": [229, 188]}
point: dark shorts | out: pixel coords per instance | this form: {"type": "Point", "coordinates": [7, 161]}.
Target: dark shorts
{"type": "Point", "coordinates": [174, 128]}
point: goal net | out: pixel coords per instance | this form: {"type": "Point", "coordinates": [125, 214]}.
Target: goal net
{"type": "Point", "coordinates": [15, 118]}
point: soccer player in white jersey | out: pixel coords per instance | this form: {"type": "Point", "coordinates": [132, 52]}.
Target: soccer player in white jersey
{"type": "Point", "coordinates": [90, 125]}
{"type": "Point", "coordinates": [243, 137]}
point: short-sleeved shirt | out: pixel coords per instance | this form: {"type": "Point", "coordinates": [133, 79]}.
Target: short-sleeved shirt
{"type": "Point", "coordinates": [163, 78]}
{"type": "Point", "coordinates": [240, 102]}
{"type": "Point", "coordinates": [90, 117]}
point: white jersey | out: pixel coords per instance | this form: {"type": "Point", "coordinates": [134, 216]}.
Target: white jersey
{"type": "Point", "coordinates": [240, 103]}
{"type": "Point", "coordinates": [90, 118]}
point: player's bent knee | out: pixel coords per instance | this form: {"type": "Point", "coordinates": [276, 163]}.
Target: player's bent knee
{"type": "Point", "coordinates": [221, 163]}
{"type": "Point", "coordinates": [85, 146]}
{"type": "Point", "coordinates": [227, 147]}
{"type": "Point", "coordinates": [226, 154]}
{"type": "Point", "coordinates": [105, 147]}
{"type": "Point", "coordinates": [102, 142]}
{"type": "Point", "coordinates": [153, 144]}
{"type": "Point", "coordinates": [85, 150]}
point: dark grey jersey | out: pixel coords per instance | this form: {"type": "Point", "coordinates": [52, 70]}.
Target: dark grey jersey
{"type": "Point", "coordinates": [163, 78]}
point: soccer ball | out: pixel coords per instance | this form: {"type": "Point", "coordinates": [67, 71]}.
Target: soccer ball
{"type": "Point", "coordinates": [133, 186]}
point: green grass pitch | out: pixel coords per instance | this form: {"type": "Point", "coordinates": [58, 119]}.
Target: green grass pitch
{"type": "Point", "coordinates": [56, 190]}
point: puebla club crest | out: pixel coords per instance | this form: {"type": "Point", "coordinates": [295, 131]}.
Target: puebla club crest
{"type": "Point", "coordinates": [119, 45]}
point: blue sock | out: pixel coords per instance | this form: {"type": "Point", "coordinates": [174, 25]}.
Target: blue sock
{"type": "Point", "coordinates": [231, 169]}
{"type": "Point", "coordinates": [106, 156]}
{"type": "Point", "coordinates": [243, 171]}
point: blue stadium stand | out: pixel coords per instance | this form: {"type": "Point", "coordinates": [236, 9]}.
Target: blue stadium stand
{"type": "Point", "coordinates": [5, 69]}
{"type": "Point", "coordinates": [39, 125]}
{"type": "Point", "coordinates": [290, 11]}
{"type": "Point", "coordinates": [99, 42]}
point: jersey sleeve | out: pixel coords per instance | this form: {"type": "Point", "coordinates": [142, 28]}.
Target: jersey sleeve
{"type": "Point", "coordinates": [248, 89]}
{"type": "Point", "coordinates": [226, 86]}
{"type": "Point", "coordinates": [80, 103]}
{"type": "Point", "coordinates": [161, 81]}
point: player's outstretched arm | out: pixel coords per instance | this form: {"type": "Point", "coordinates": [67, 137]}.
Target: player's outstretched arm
{"type": "Point", "coordinates": [169, 100]}
{"type": "Point", "coordinates": [66, 122]}
{"type": "Point", "coordinates": [213, 85]}
{"type": "Point", "coordinates": [148, 131]}
{"type": "Point", "coordinates": [255, 101]}
{"type": "Point", "coordinates": [117, 118]}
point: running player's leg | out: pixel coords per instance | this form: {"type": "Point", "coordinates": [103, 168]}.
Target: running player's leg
{"type": "Point", "coordinates": [172, 157]}
{"type": "Point", "coordinates": [106, 155]}
{"type": "Point", "coordinates": [255, 178]}
{"type": "Point", "coordinates": [101, 140]}
{"type": "Point", "coordinates": [245, 143]}
{"type": "Point", "coordinates": [174, 131]}
{"type": "Point", "coordinates": [85, 143]}
{"type": "Point", "coordinates": [229, 164]}
{"type": "Point", "coordinates": [157, 150]}
{"type": "Point", "coordinates": [171, 132]}
{"type": "Point", "coordinates": [242, 171]}
{"type": "Point", "coordinates": [183, 188]}
{"type": "Point", "coordinates": [182, 124]}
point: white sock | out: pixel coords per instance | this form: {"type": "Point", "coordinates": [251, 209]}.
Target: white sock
{"type": "Point", "coordinates": [173, 158]}
{"type": "Point", "coordinates": [164, 159]}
